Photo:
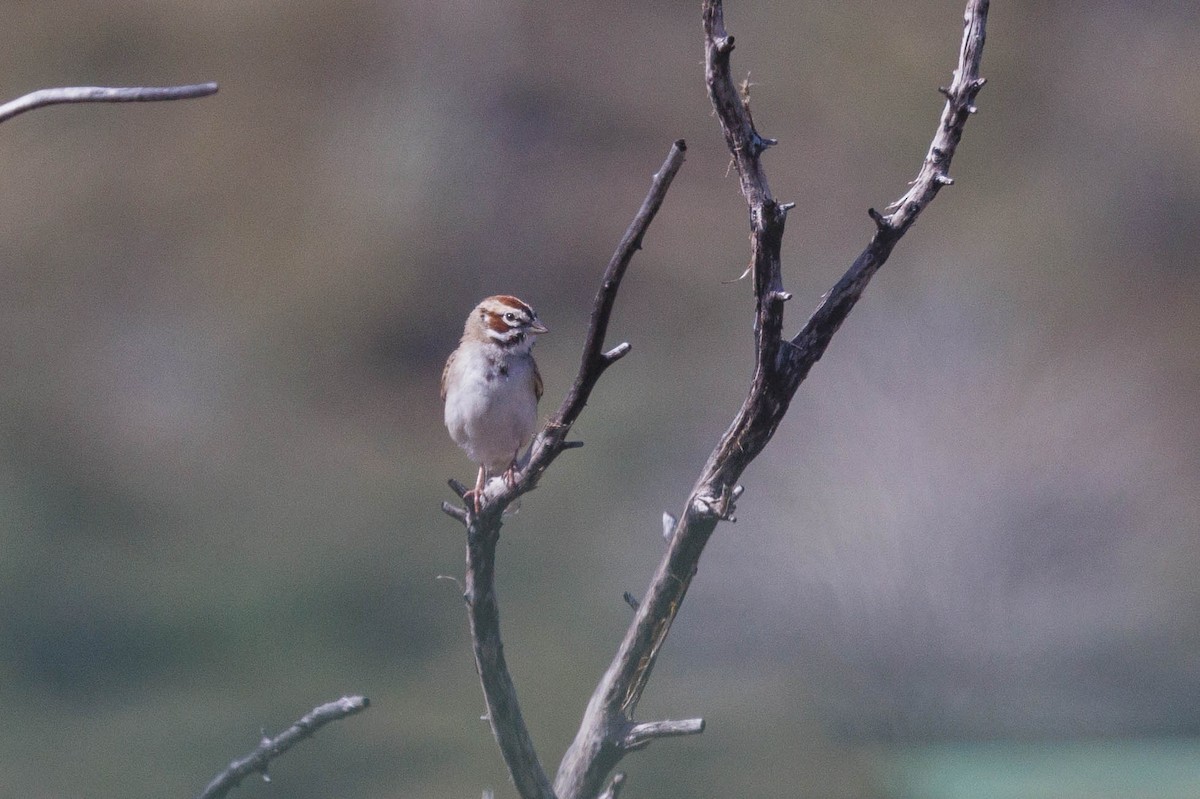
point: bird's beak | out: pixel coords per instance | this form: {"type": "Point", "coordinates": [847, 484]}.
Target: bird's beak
{"type": "Point", "coordinates": [537, 327]}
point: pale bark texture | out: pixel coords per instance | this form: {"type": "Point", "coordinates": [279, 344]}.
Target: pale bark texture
{"type": "Point", "coordinates": [608, 729]}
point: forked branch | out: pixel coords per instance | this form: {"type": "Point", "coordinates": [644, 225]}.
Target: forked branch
{"type": "Point", "coordinates": [780, 366]}
{"type": "Point", "coordinates": [483, 529]}
{"type": "Point", "coordinates": [608, 730]}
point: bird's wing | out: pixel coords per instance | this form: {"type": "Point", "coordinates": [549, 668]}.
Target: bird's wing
{"type": "Point", "coordinates": [446, 371]}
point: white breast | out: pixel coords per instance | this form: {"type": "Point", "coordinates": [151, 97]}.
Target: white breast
{"type": "Point", "coordinates": [491, 410]}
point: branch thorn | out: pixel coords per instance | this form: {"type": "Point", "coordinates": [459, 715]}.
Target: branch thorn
{"type": "Point", "coordinates": [761, 143]}
{"type": "Point", "coordinates": [455, 512]}
{"type": "Point", "coordinates": [571, 445]}
{"type": "Point", "coordinates": [943, 179]}
{"type": "Point", "coordinates": [880, 220]}
{"type": "Point", "coordinates": [713, 506]}
{"type": "Point", "coordinates": [630, 600]}
{"type": "Point", "coordinates": [720, 508]}
{"type": "Point", "coordinates": [616, 353]}
{"type": "Point", "coordinates": [613, 791]}
{"type": "Point", "coordinates": [668, 525]}
{"type": "Point", "coordinates": [740, 277]}
{"type": "Point", "coordinates": [457, 487]}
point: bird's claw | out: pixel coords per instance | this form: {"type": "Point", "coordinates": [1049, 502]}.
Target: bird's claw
{"type": "Point", "coordinates": [510, 476]}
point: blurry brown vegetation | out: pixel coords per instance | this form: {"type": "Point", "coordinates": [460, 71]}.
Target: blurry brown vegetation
{"type": "Point", "coordinates": [224, 320]}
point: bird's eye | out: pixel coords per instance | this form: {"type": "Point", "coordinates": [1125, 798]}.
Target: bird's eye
{"type": "Point", "coordinates": [510, 317]}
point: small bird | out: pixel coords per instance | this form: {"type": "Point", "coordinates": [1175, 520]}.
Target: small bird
{"type": "Point", "coordinates": [491, 387]}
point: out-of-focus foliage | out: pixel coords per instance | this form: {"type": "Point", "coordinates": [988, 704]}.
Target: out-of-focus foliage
{"type": "Point", "coordinates": [224, 320]}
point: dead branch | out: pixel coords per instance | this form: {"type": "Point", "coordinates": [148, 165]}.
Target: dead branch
{"type": "Point", "coordinates": [608, 730]}
{"type": "Point", "coordinates": [780, 367]}
{"type": "Point", "coordinates": [270, 748]}
{"type": "Point", "coordinates": [483, 529]}
{"type": "Point", "coordinates": [101, 94]}
{"type": "Point", "coordinates": [811, 341]}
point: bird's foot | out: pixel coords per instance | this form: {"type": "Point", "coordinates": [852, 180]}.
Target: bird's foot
{"type": "Point", "coordinates": [475, 495]}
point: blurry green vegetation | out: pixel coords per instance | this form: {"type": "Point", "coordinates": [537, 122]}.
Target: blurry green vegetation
{"type": "Point", "coordinates": [1153, 768]}
{"type": "Point", "coordinates": [224, 322]}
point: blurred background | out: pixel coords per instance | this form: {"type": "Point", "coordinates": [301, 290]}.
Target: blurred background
{"type": "Point", "coordinates": [965, 566]}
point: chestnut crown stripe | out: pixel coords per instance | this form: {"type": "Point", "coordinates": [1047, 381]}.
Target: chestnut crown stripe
{"type": "Point", "coordinates": [514, 303]}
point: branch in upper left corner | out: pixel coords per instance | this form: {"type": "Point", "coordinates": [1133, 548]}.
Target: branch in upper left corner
{"type": "Point", "coordinates": [103, 94]}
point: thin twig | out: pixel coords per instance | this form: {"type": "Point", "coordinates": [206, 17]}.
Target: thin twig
{"type": "Point", "coordinates": [483, 528]}
{"type": "Point", "coordinates": [270, 748]}
{"type": "Point", "coordinates": [780, 367]}
{"type": "Point", "coordinates": [101, 94]}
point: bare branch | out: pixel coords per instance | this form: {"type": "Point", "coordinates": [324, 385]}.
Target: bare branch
{"type": "Point", "coordinates": [504, 711]}
{"type": "Point", "coordinates": [780, 367]}
{"type": "Point", "coordinates": [483, 529]}
{"type": "Point", "coordinates": [814, 337]}
{"type": "Point", "coordinates": [100, 94]}
{"type": "Point", "coordinates": [960, 105]}
{"type": "Point", "coordinates": [640, 735]}
{"type": "Point", "coordinates": [270, 748]}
